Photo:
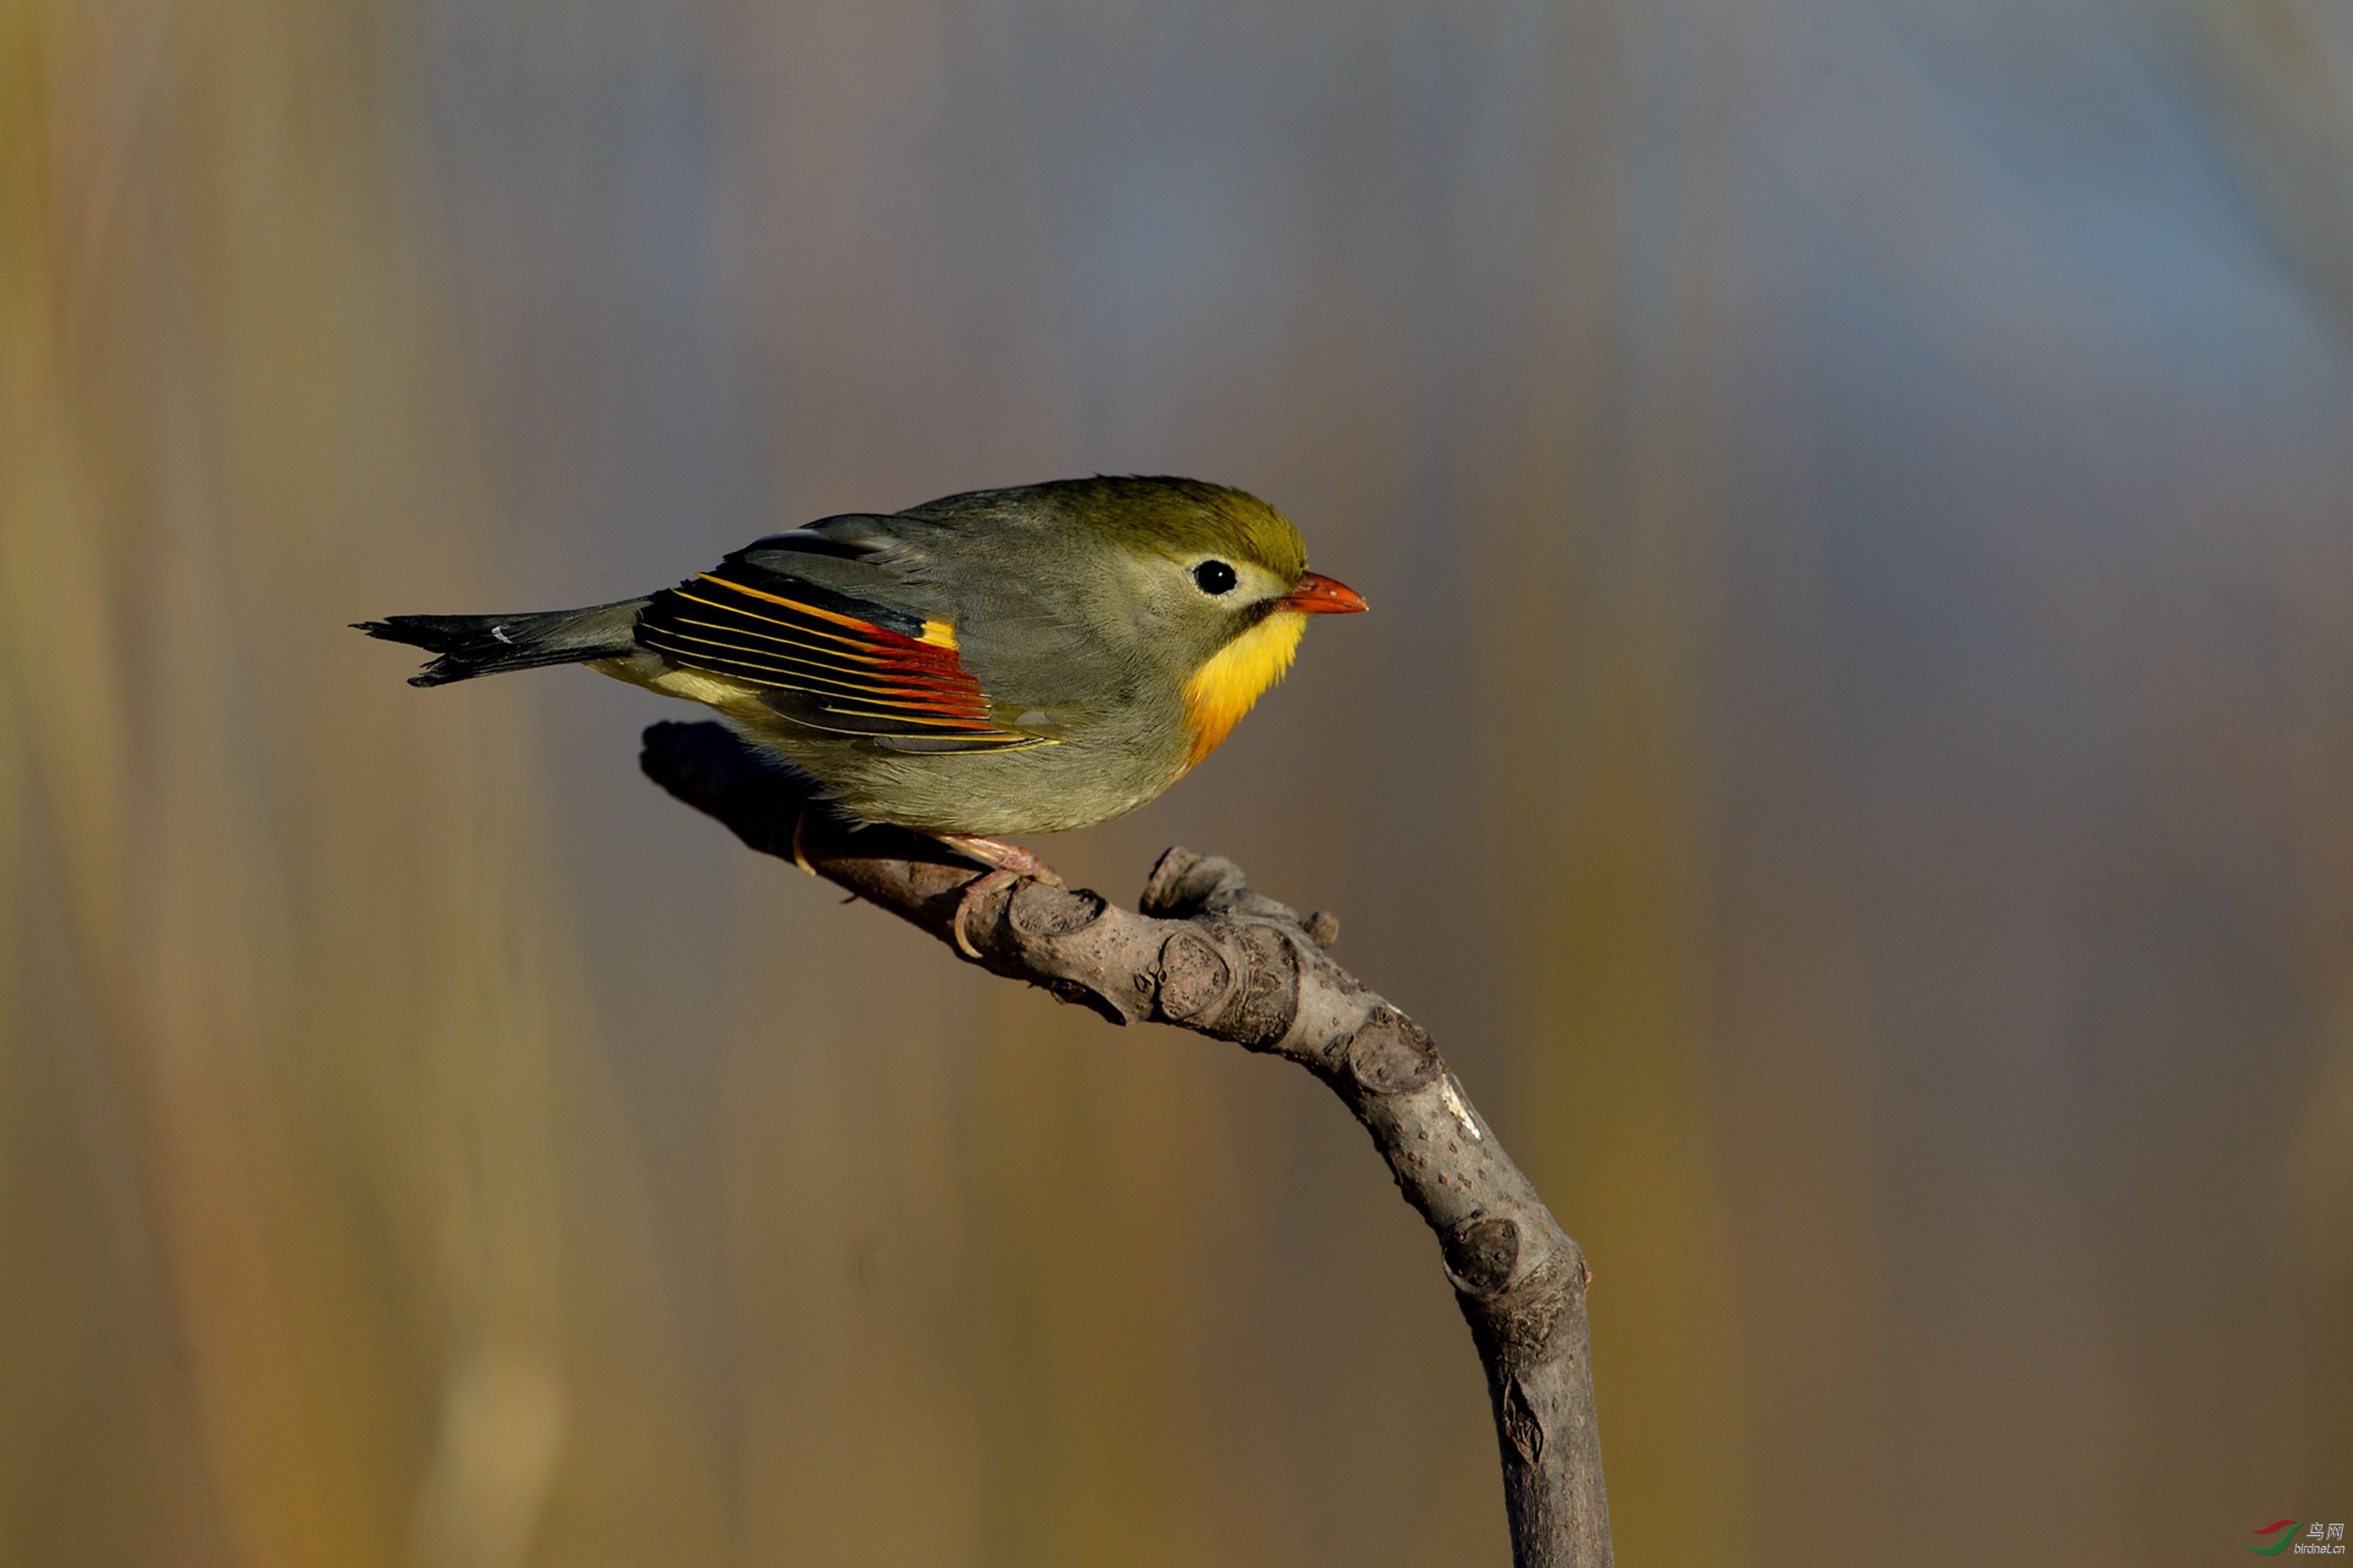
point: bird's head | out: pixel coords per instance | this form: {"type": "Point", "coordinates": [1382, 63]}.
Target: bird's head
{"type": "Point", "coordinates": [1218, 584]}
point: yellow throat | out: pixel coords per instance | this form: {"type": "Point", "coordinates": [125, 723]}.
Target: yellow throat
{"type": "Point", "coordinates": [1223, 691]}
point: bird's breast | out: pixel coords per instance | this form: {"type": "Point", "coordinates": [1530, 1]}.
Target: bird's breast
{"type": "Point", "coordinates": [1221, 691]}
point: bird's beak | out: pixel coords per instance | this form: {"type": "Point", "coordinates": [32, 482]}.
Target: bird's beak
{"type": "Point", "coordinates": [1317, 594]}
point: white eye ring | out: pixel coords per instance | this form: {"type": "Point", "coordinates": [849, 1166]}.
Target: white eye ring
{"type": "Point", "coordinates": [1215, 577]}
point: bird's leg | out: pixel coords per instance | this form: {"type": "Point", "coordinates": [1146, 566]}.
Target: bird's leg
{"type": "Point", "coordinates": [1005, 863]}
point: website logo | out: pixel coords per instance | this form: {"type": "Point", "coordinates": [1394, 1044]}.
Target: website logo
{"type": "Point", "coordinates": [2314, 1540]}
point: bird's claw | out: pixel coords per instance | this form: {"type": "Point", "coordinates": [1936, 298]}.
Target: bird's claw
{"type": "Point", "coordinates": [1006, 862]}
{"type": "Point", "coordinates": [979, 888]}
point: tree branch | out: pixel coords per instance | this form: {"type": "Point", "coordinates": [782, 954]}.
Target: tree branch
{"type": "Point", "coordinates": [1210, 955]}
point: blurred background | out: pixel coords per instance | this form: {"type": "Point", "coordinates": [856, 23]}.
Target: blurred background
{"type": "Point", "coordinates": [1852, 758]}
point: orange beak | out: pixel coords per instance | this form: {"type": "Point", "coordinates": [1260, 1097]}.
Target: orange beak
{"type": "Point", "coordinates": [1317, 594]}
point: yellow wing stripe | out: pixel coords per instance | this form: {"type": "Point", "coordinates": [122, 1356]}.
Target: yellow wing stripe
{"type": "Point", "coordinates": [854, 664]}
{"type": "Point", "coordinates": [818, 656]}
{"type": "Point", "coordinates": [827, 675]}
{"type": "Point", "coordinates": [939, 634]}
{"type": "Point", "coordinates": [849, 707]}
{"type": "Point", "coordinates": [850, 642]}
{"type": "Point", "coordinates": [834, 616]}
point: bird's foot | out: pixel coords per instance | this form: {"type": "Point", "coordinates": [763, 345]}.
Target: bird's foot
{"type": "Point", "coordinates": [1006, 862]}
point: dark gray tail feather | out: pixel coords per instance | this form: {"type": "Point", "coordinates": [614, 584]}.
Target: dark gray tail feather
{"type": "Point", "coordinates": [490, 644]}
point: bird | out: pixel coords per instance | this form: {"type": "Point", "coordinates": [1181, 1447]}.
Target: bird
{"type": "Point", "coordinates": [1026, 660]}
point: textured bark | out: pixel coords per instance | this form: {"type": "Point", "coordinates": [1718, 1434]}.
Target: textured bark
{"type": "Point", "coordinates": [1207, 955]}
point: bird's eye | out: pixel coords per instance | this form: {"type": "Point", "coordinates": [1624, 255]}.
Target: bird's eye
{"type": "Point", "coordinates": [1215, 577]}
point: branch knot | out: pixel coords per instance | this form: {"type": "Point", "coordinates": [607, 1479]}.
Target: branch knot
{"type": "Point", "coordinates": [1390, 1056]}
{"type": "Point", "coordinates": [1195, 977]}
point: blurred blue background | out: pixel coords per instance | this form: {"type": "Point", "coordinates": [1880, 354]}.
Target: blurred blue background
{"type": "Point", "coordinates": [1852, 759]}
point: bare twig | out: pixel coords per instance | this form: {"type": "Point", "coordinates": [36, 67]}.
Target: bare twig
{"type": "Point", "coordinates": [1210, 955]}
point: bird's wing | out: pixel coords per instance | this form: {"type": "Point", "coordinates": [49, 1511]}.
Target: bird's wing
{"type": "Point", "coordinates": [841, 662]}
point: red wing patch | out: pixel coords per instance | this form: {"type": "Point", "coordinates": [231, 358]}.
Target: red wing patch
{"type": "Point", "coordinates": [829, 662]}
